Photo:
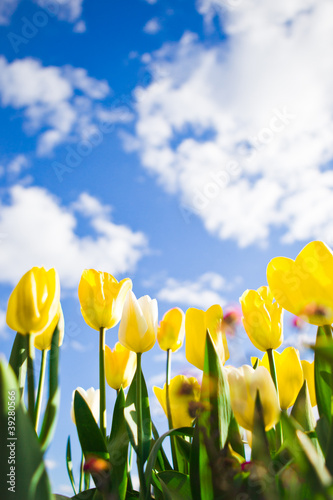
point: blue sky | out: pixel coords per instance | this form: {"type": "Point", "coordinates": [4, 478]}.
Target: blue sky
{"type": "Point", "coordinates": [183, 144]}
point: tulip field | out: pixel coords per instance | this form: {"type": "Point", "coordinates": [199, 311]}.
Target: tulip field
{"type": "Point", "coordinates": [240, 433]}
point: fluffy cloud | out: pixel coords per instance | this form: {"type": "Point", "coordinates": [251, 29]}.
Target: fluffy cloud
{"type": "Point", "coordinates": [59, 103]}
{"type": "Point", "coordinates": [152, 26]}
{"type": "Point", "coordinates": [202, 293]}
{"type": "Point", "coordinates": [39, 231]}
{"type": "Point", "coordinates": [7, 8]}
{"type": "Point", "coordinates": [242, 129]}
{"type": "Point", "coordinates": [65, 10]}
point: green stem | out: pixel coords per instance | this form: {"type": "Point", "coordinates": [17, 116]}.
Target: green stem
{"type": "Point", "coordinates": [31, 379]}
{"type": "Point", "coordinates": [139, 455]}
{"type": "Point", "coordinates": [40, 389]}
{"type": "Point", "coordinates": [167, 397]}
{"type": "Point", "coordinates": [102, 403]}
{"type": "Point", "coordinates": [278, 427]}
{"type": "Point", "coordinates": [81, 473]}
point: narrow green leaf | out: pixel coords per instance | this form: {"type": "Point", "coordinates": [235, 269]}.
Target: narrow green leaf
{"type": "Point", "coordinates": [162, 462]}
{"type": "Point", "coordinates": [212, 426]}
{"type": "Point", "coordinates": [310, 465]}
{"type": "Point", "coordinates": [302, 409]}
{"type": "Point", "coordinates": [175, 486]}
{"type": "Point", "coordinates": [90, 436]}
{"type": "Point", "coordinates": [234, 437]}
{"type": "Point", "coordinates": [28, 469]}
{"type": "Point", "coordinates": [69, 464]}
{"type": "Point", "coordinates": [18, 360]}
{"type": "Point", "coordinates": [118, 449]}
{"type": "Point", "coordinates": [51, 411]}
{"type": "Point", "coordinates": [183, 431]}
{"type": "Point", "coordinates": [323, 372]}
{"type": "Point", "coordinates": [130, 416]}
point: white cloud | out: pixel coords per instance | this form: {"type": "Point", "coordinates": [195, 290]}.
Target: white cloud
{"type": "Point", "coordinates": [152, 26]}
{"type": "Point", "coordinates": [80, 27]}
{"type": "Point", "coordinates": [241, 131]}
{"type": "Point", "coordinates": [7, 8]}
{"type": "Point", "coordinates": [202, 293]}
{"type": "Point", "coordinates": [41, 232]}
{"type": "Point", "coordinates": [65, 10]}
{"type": "Point", "coordinates": [60, 104]}
{"type": "Point", "coordinates": [3, 326]}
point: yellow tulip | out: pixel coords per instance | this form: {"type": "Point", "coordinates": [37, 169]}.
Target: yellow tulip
{"type": "Point", "coordinates": [171, 332]}
{"type": "Point", "coordinates": [91, 397]}
{"type": "Point", "coordinates": [289, 374]}
{"type": "Point", "coordinates": [34, 302]}
{"type": "Point", "coordinates": [120, 365]}
{"type": "Point", "coordinates": [262, 318]}
{"type": "Point", "coordinates": [184, 394]}
{"type": "Point", "coordinates": [244, 382]}
{"type": "Point", "coordinates": [138, 325]}
{"type": "Point", "coordinates": [102, 298]}
{"type": "Point", "coordinates": [197, 322]}
{"type": "Point", "coordinates": [304, 287]}
{"type": "Point", "coordinates": [43, 340]}
{"type": "Point", "coordinates": [308, 372]}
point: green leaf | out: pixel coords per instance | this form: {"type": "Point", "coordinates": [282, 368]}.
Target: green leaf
{"type": "Point", "coordinates": [310, 465]}
{"type": "Point", "coordinates": [184, 448]}
{"type": "Point", "coordinates": [260, 448]}
{"type": "Point", "coordinates": [51, 411]}
{"type": "Point", "coordinates": [162, 462]}
{"type": "Point", "coordinates": [31, 480]}
{"type": "Point", "coordinates": [183, 431]}
{"type": "Point", "coordinates": [69, 464]}
{"type": "Point", "coordinates": [130, 416]}
{"type": "Point", "coordinates": [118, 449]}
{"type": "Point", "coordinates": [175, 486]}
{"type": "Point", "coordinates": [302, 409]}
{"type": "Point", "coordinates": [18, 360]}
{"type": "Point", "coordinates": [212, 426]}
{"type": "Point", "coordinates": [92, 494]}
{"type": "Point", "coordinates": [234, 437]}
{"type": "Point", "coordinates": [90, 436]}
{"type": "Point", "coordinates": [323, 372]}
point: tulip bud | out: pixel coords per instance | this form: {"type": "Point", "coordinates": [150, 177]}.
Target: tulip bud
{"type": "Point", "coordinates": [138, 325]}
{"type": "Point", "coordinates": [120, 365]}
{"type": "Point", "coordinates": [43, 340]}
{"type": "Point", "coordinates": [170, 333]}
{"type": "Point", "coordinates": [91, 397]}
{"type": "Point", "coordinates": [102, 298]}
{"type": "Point", "coordinates": [304, 286]}
{"type": "Point", "coordinates": [184, 395]}
{"type": "Point", "coordinates": [244, 382]}
{"type": "Point", "coordinates": [289, 374]}
{"type": "Point", "coordinates": [34, 301]}
{"type": "Point", "coordinates": [262, 318]}
{"type": "Point", "coordinates": [197, 322]}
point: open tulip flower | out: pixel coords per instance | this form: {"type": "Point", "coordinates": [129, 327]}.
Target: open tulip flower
{"type": "Point", "coordinates": [197, 322]}
{"type": "Point", "coordinates": [102, 298]}
{"type": "Point", "coordinates": [304, 286]}
{"type": "Point", "coordinates": [34, 302]}
{"type": "Point", "coordinates": [184, 395]}
{"type": "Point", "coordinates": [244, 382]}
{"type": "Point", "coordinates": [171, 331]}
{"type": "Point", "coordinates": [289, 374]}
{"type": "Point", "coordinates": [262, 318]}
{"type": "Point", "coordinates": [138, 325]}
{"type": "Point", "coordinates": [43, 340]}
{"type": "Point", "coordinates": [120, 365]}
